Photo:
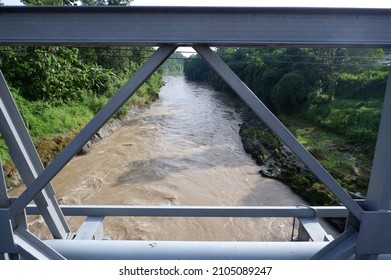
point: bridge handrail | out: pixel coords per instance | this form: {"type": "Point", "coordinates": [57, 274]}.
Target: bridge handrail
{"type": "Point", "coordinates": [199, 211]}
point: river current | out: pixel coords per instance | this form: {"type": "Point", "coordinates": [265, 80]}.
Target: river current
{"type": "Point", "coordinates": [184, 150]}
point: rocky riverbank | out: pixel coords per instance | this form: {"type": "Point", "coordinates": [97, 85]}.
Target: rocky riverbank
{"type": "Point", "coordinates": [278, 162]}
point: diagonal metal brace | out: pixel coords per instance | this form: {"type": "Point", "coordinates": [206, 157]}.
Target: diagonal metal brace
{"type": "Point", "coordinates": [277, 127]}
{"type": "Point", "coordinates": [149, 67]}
{"type": "Point", "coordinates": [27, 161]}
{"type": "Point", "coordinates": [31, 247]}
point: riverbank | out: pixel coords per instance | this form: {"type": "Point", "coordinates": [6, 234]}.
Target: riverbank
{"type": "Point", "coordinates": [346, 163]}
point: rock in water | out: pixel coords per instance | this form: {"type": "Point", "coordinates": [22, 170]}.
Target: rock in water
{"type": "Point", "coordinates": [86, 149]}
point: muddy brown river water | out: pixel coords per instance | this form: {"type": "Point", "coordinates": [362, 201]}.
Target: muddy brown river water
{"type": "Point", "coordinates": [184, 150]}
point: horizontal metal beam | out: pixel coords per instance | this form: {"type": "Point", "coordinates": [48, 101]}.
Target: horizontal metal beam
{"type": "Point", "coordinates": [199, 211]}
{"type": "Point", "coordinates": [183, 250]}
{"type": "Point", "coordinates": [92, 26]}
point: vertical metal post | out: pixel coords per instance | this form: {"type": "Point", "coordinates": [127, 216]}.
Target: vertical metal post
{"type": "Point", "coordinates": [375, 227]}
{"type": "Point", "coordinates": [7, 244]}
{"type": "Point", "coordinates": [274, 124]}
{"type": "Point", "coordinates": [150, 66]}
{"type": "Point", "coordinates": [379, 189]}
{"type": "Point", "coordinates": [27, 161]}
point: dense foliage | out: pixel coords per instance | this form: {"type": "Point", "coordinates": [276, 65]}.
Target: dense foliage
{"type": "Point", "coordinates": [59, 89]}
{"type": "Point", "coordinates": [174, 64]}
{"type": "Point", "coordinates": [75, 2]}
{"type": "Point", "coordinates": [338, 89]}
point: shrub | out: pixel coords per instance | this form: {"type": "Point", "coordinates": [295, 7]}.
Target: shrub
{"type": "Point", "coordinates": [290, 93]}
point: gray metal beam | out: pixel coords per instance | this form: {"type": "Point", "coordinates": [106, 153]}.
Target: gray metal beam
{"type": "Point", "coordinates": [278, 128]}
{"type": "Point", "coordinates": [379, 189]}
{"type": "Point", "coordinates": [27, 161]}
{"type": "Point", "coordinates": [7, 244]}
{"type": "Point", "coordinates": [150, 66]}
{"type": "Point", "coordinates": [198, 211]}
{"type": "Point", "coordinates": [183, 250]}
{"type": "Point", "coordinates": [189, 25]}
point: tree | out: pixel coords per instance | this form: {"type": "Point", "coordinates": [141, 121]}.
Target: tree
{"type": "Point", "coordinates": [106, 2]}
{"type": "Point", "coordinates": [290, 93]}
{"type": "Point", "coordinates": [122, 60]}
{"type": "Point", "coordinates": [174, 64]}
{"type": "Point", "coordinates": [53, 74]}
{"type": "Point", "coordinates": [196, 69]}
{"type": "Point", "coordinates": [75, 2]}
{"type": "Point", "coordinates": [50, 2]}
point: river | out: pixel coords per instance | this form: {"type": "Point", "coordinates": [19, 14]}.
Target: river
{"type": "Point", "coordinates": [184, 150]}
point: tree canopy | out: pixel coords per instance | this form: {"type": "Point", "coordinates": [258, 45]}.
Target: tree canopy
{"type": "Point", "coordinates": [75, 2]}
{"type": "Point", "coordinates": [106, 2]}
{"type": "Point", "coordinates": [50, 2]}
{"type": "Point", "coordinates": [337, 89]}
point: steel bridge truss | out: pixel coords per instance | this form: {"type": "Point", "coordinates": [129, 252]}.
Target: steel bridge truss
{"type": "Point", "coordinates": [368, 231]}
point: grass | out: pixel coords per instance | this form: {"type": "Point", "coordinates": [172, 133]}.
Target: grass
{"type": "Point", "coordinates": [347, 163]}
{"type": "Point", "coordinates": [357, 121]}
{"type": "Point", "coordinates": [341, 135]}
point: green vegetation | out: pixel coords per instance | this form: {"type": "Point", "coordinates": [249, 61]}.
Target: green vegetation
{"type": "Point", "coordinates": [174, 64]}
{"type": "Point", "coordinates": [58, 90]}
{"type": "Point", "coordinates": [75, 2]}
{"type": "Point", "coordinates": [355, 120]}
{"type": "Point", "coordinates": [347, 163]}
{"type": "Point", "coordinates": [330, 99]}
